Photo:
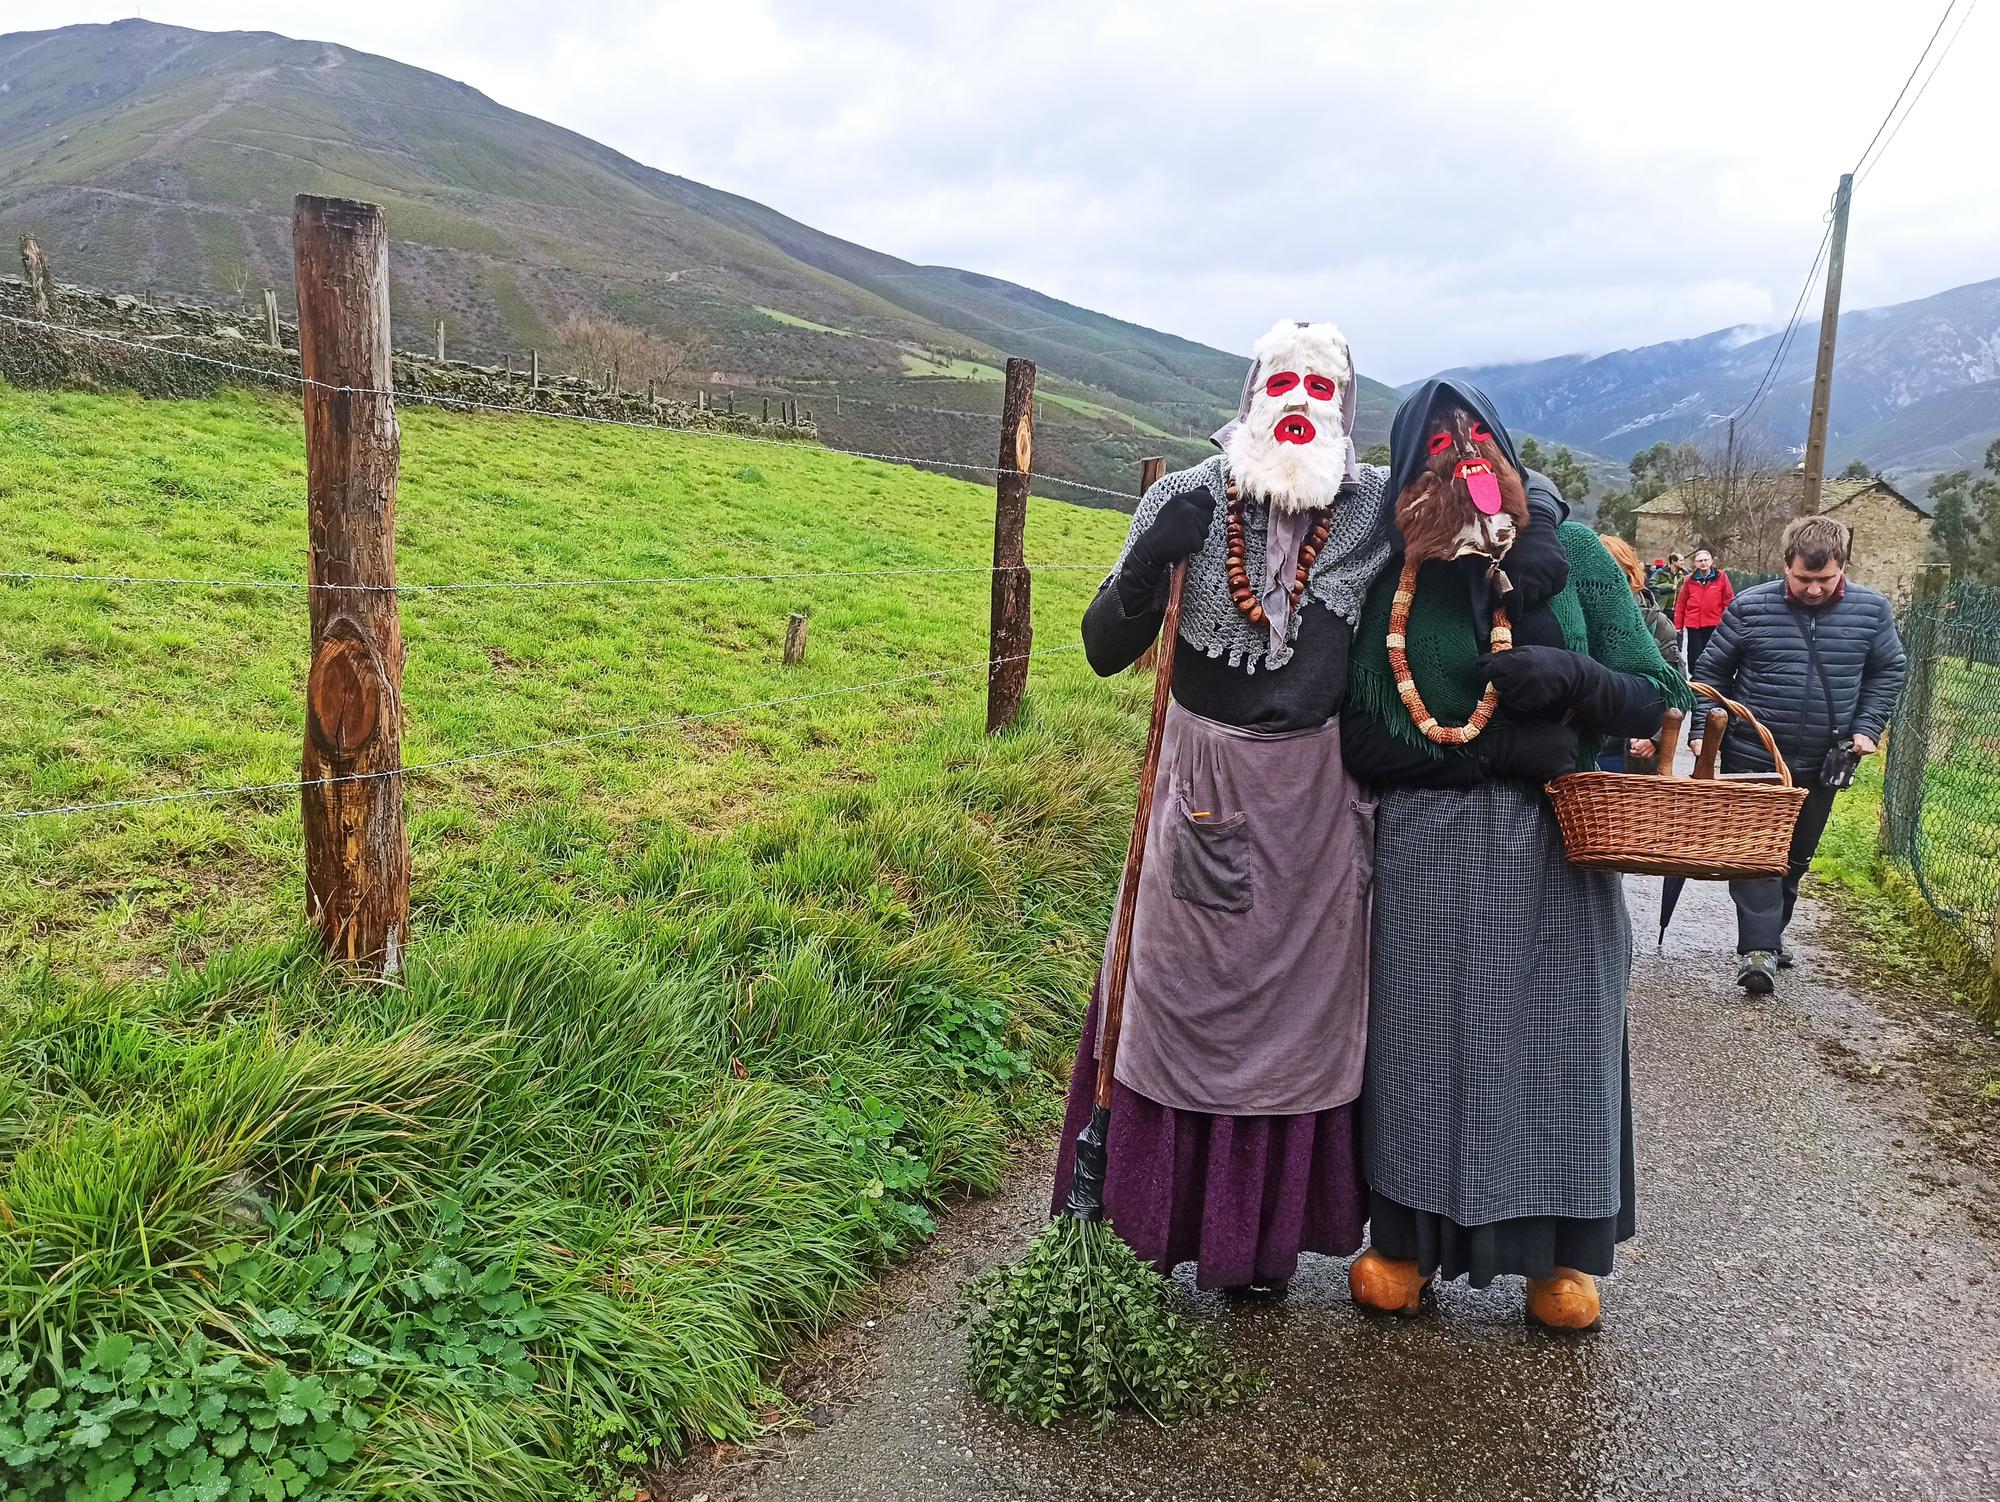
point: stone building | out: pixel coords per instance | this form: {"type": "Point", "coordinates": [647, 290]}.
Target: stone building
{"type": "Point", "coordinates": [1891, 531]}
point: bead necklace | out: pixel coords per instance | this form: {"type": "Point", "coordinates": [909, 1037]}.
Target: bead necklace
{"type": "Point", "coordinates": [1501, 639]}
{"type": "Point", "coordinates": [1239, 576]}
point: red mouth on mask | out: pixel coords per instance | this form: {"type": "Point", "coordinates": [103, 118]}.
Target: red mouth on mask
{"type": "Point", "coordinates": [1482, 484]}
{"type": "Point", "coordinates": [1294, 428]}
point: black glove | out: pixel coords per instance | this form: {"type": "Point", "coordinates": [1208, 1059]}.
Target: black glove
{"type": "Point", "coordinates": [1530, 750]}
{"type": "Point", "coordinates": [1176, 533]}
{"type": "Point", "coordinates": [1537, 564]}
{"type": "Point", "coordinates": [1554, 683]}
{"type": "Point", "coordinates": [1538, 683]}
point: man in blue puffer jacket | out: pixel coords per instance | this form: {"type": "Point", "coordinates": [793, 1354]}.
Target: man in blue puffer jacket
{"type": "Point", "coordinates": [1816, 657]}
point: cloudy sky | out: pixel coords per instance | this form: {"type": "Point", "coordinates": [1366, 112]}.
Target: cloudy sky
{"type": "Point", "coordinates": [1452, 183]}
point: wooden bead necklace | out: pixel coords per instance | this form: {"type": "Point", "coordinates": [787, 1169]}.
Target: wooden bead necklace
{"type": "Point", "coordinates": [1501, 639]}
{"type": "Point", "coordinates": [1239, 575]}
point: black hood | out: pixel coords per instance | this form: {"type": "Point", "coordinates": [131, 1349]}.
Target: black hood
{"type": "Point", "coordinates": [1408, 449]}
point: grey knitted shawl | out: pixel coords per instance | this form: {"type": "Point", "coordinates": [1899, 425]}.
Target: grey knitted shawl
{"type": "Point", "coordinates": [1363, 535]}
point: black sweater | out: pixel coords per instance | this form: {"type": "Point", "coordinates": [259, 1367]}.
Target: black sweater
{"type": "Point", "coordinates": [1304, 693]}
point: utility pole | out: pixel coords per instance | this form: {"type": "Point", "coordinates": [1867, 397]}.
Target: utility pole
{"type": "Point", "coordinates": [1829, 326]}
{"type": "Point", "coordinates": [1729, 473]}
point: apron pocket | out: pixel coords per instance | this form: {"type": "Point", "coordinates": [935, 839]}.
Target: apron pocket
{"type": "Point", "coordinates": [1212, 863]}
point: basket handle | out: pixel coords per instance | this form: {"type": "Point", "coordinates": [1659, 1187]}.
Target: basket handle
{"type": "Point", "coordinates": [1784, 772]}
{"type": "Point", "coordinates": [1670, 742]}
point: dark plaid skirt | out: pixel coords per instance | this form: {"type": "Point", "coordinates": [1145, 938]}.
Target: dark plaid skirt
{"type": "Point", "coordinates": [1238, 1196]}
{"type": "Point", "coordinates": [1496, 1012]}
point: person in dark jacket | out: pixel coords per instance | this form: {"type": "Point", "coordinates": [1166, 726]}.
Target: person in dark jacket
{"type": "Point", "coordinates": [1816, 657]}
{"type": "Point", "coordinates": [1699, 605]}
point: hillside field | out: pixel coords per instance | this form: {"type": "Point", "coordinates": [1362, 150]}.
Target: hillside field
{"type": "Point", "coordinates": [698, 1022]}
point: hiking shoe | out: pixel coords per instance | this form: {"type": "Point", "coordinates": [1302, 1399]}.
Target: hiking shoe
{"type": "Point", "coordinates": [1786, 959]}
{"type": "Point", "coordinates": [1758, 974]}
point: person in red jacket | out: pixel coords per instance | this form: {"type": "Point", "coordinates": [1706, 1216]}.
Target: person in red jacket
{"type": "Point", "coordinates": [1698, 608]}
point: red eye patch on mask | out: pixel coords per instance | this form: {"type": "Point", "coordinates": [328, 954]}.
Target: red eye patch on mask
{"type": "Point", "coordinates": [1320, 388]}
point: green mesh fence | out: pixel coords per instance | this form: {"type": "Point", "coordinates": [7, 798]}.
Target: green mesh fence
{"type": "Point", "coordinates": [1941, 783]}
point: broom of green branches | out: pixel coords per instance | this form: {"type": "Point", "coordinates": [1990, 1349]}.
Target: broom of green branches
{"type": "Point", "coordinates": [1081, 1325]}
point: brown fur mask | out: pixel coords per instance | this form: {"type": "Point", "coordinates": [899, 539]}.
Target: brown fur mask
{"type": "Point", "coordinates": [1467, 499]}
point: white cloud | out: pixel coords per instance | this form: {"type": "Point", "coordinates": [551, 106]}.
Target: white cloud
{"type": "Point", "coordinates": [1460, 183]}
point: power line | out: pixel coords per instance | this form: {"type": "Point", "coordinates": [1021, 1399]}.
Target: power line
{"type": "Point", "coordinates": [1791, 327]}
{"type": "Point", "coordinates": [1950, 42]}
{"type": "Point", "coordinates": [1798, 308]}
{"type": "Point", "coordinates": [640, 728]}
{"type": "Point", "coordinates": [264, 372]}
{"type": "Point", "coordinates": [1949, 4]}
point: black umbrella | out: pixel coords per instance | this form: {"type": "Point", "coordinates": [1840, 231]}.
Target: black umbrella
{"type": "Point", "coordinates": [1670, 898]}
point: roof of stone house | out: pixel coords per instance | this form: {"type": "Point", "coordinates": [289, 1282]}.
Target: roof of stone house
{"type": "Point", "coordinates": [1834, 493]}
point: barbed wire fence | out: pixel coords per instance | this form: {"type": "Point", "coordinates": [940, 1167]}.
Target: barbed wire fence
{"type": "Point", "coordinates": [1941, 777]}
{"type": "Point", "coordinates": [352, 787]}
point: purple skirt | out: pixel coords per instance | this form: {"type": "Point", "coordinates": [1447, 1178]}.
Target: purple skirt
{"type": "Point", "coordinates": [1239, 1196]}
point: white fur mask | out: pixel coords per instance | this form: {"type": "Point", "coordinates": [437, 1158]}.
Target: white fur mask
{"type": "Point", "coordinates": [1292, 447]}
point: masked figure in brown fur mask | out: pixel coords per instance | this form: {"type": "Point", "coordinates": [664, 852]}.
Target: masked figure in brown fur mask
{"type": "Point", "coordinates": [1496, 1111]}
{"type": "Point", "coordinates": [1232, 1139]}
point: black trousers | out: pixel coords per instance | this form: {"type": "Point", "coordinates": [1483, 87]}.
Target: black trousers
{"type": "Point", "coordinates": [1697, 643]}
{"type": "Point", "coordinates": [1764, 907]}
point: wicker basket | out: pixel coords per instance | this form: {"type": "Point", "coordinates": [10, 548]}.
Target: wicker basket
{"type": "Point", "coordinates": [1706, 827]}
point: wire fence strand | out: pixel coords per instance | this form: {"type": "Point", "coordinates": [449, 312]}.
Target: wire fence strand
{"type": "Point", "coordinates": [467, 404]}
{"type": "Point", "coordinates": [617, 731]}
{"type": "Point", "coordinates": [305, 586]}
{"type": "Point", "coordinates": [1941, 783]}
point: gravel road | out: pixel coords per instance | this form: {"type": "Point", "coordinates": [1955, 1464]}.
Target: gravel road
{"type": "Point", "coordinates": [1811, 1308]}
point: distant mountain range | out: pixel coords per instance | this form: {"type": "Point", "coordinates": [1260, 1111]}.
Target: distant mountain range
{"type": "Point", "coordinates": [1916, 388]}
{"type": "Point", "coordinates": [153, 158]}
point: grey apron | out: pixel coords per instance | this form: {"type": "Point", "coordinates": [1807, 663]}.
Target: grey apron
{"type": "Point", "coordinates": [1248, 988]}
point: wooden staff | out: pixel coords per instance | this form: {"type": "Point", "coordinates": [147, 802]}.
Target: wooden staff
{"type": "Point", "coordinates": [1135, 854]}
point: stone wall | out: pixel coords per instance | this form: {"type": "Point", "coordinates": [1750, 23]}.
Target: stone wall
{"type": "Point", "coordinates": [44, 358]}
{"type": "Point", "coordinates": [1890, 542]}
{"type": "Point", "coordinates": [1656, 536]}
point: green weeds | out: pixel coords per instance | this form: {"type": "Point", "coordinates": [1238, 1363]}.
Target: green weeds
{"type": "Point", "coordinates": [693, 1036]}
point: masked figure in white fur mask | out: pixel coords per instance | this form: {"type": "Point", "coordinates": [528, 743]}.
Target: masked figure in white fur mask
{"type": "Point", "coordinates": [1233, 1138]}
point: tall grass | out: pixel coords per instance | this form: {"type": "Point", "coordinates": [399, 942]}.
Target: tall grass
{"type": "Point", "coordinates": [693, 1035]}
{"type": "Point", "coordinates": [564, 1194]}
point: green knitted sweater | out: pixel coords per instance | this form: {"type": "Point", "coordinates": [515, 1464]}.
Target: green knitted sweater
{"type": "Point", "coordinates": [1595, 610]}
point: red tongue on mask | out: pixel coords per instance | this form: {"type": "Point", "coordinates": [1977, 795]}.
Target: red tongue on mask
{"type": "Point", "coordinates": [1485, 491]}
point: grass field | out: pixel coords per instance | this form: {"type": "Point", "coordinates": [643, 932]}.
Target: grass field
{"type": "Point", "coordinates": [116, 691]}
{"type": "Point", "coordinates": [1945, 921]}
{"type": "Point", "coordinates": [793, 321]}
{"type": "Point", "coordinates": [697, 1026]}
{"type": "Point", "coordinates": [957, 370]}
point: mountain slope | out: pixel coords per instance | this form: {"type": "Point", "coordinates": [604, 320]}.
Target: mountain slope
{"type": "Point", "coordinates": [149, 157]}
{"type": "Point", "coordinates": [1914, 384]}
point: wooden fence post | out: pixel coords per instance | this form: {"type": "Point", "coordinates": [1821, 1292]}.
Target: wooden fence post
{"type": "Point", "coordinates": [1013, 631]}
{"type": "Point", "coordinates": [795, 639]}
{"type": "Point", "coordinates": [357, 849]}
{"type": "Point", "coordinates": [1910, 735]}
{"type": "Point", "coordinates": [41, 286]}
{"type": "Point", "coordinates": [651, 400]}
{"type": "Point", "coordinates": [767, 410]}
{"type": "Point", "coordinates": [1150, 471]}
{"type": "Point", "coordinates": [271, 319]}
